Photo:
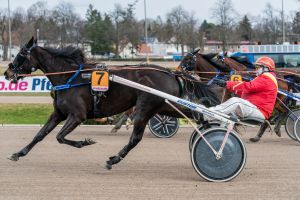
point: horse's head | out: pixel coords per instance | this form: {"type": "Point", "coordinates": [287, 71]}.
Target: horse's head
{"type": "Point", "coordinates": [23, 62]}
{"type": "Point", "coordinates": [189, 61]}
{"type": "Point", "coordinates": [232, 63]}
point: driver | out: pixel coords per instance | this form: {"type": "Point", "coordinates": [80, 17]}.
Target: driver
{"type": "Point", "coordinates": [257, 97]}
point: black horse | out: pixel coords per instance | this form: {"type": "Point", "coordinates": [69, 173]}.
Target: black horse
{"type": "Point", "coordinates": [76, 104]}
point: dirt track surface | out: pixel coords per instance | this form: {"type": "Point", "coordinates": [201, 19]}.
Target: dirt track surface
{"type": "Point", "coordinates": [26, 99]}
{"type": "Point", "coordinates": [155, 169]}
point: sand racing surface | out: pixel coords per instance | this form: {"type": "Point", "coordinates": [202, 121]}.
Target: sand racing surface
{"type": "Point", "coordinates": [155, 169]}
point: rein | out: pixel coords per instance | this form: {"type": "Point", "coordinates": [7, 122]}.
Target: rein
{"type": "Point", "coordinates": [113, 68]}
{"type": "Point", "coordinates": [118, 68]}
{"type": "Point", "coordinates": [69, 84]}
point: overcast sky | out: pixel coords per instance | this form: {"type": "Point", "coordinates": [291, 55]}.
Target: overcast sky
{"type": "Point", "coordinates": [201, 8]}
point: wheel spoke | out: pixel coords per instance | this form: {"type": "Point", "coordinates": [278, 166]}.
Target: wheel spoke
{"type": "Point", "coordinates": [158, 117]}
{"type": "Point", "coordinates": [156, 128]}
{"type": "Point", "coordinates": [172, 125]}
{"type": "Point", "coordinates": [163, 129]}
{"type": "Point", "coordinates": [168, 133]}
{"type": "Point", "coordinates": [158, 124]}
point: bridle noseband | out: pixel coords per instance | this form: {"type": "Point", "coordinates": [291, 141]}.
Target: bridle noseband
{"type": "Point", "coordinates": [189, 66]}
{"type": "Point", "coordinates": [24, 54]}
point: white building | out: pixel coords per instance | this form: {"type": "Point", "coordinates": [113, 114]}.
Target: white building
{"type": "Point", "coordinates": [14, 51]}
{"type": "Point", "coordinates": [153, 49]}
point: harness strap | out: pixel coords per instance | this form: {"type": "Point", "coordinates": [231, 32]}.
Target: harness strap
{"type": "Point", "coordinates": [75, 75]}
{"type": "Point", "coordinates": [269, 75]}
{"type": "Point", "coordinates": [68, 84]}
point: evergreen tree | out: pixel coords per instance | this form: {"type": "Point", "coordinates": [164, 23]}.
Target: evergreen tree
{"type": "Point", "coordinates": [296, 23]}
{"type": "Point", "coordinates": [99, 30]}
{"type": "Point", "coordinates": [245, 29]}
{"type": "Point", "coordinates": [209, 30]}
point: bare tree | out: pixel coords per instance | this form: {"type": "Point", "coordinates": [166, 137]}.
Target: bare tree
{"type": "Point", "coordinates": [19, 23]}
{"type": "Point", "coordinates": [177, 19]}
{"type": "Point", "coordinates": [192, 36]}
{"type": "Point", "coordinates": [127, 27]}
{"type": "Point", "coordinates": [224, 12]}
{"type": "Point", "coordinates": [272, 24]}
{"type": "Point", "coordinates": [37, 16]}
{"type": "Point", "coordinates": [4, 32]}
{"type": "Point", "coordinates": [117, 16]}
{"type": "Point", "coordinates": [66, 19]}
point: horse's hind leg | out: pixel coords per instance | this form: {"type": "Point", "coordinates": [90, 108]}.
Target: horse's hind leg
{"type": "Point", "coordinates": [119, 123]}
{"type": "Point", "coordinates": [72, 122]}
{"type": "Point", "coordinates": [279, 122]}
{"type": "Point", "coordinates": [125, 117]}
{"type": "Point", "coordinates": [143, 114]}
{"type": "Point", "coordinates": [52, 122]}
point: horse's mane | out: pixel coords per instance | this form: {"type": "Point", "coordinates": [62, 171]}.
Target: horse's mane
{"type": "Point", "coordinates": [243, 60]}
{"type": "Point", "coordinates": [209, 56]}
{"type": "Point", "coordinates": [69, 52]}
{"type": "Point", "coordinates": [209, 59]}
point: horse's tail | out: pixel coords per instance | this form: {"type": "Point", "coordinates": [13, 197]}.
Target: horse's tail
{"type": "Point", "coordinates": [205, 93]}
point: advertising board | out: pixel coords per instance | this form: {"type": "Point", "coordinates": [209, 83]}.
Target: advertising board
{"type": "Point", "coordinates": [29, 84]}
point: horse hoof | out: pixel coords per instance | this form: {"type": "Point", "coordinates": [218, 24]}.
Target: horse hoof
{"type": "Point", "coordinates": [114, 130]}
{"type": "Point", "coordinates": [13, 157]}
{"type": "Point", "coordinates": [278, 133]}
{"type": "Point", "coordinates": [255, 139]}
{"type": "Point", "coordinates": [90, 141]}
{"type": "Point", "coordinates": [108, 166]}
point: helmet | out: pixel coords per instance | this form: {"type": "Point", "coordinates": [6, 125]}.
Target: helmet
{"type": "Point", "coordinates": [266, 62]}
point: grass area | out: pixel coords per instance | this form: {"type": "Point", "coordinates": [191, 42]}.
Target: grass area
{"type": "Point", "coordinates": [31, 114]}
{"type": "Point", "coordinates": [24, 113]}
{"type": "Point", "coordinates": [2, 70]}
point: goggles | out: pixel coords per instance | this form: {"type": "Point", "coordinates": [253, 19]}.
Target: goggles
{"type": "Point", "coordinates": [257, 66]}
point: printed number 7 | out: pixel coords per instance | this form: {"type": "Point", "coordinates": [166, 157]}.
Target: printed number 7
{"type": "Point", "coordinates": [100, 77]}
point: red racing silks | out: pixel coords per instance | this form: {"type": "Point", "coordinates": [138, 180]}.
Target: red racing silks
{"type": "Point", "coordinates": [261, 92]}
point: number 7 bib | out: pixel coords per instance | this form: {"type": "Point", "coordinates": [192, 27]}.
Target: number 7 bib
{"type": "Point", "coordinates": [100, 81]}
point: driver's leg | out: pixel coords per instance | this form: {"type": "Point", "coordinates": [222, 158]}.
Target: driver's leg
{"type": "Point", "coordinates": [239, 107]}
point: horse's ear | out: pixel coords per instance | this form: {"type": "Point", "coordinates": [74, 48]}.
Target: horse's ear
{"type": "Point", "coordinates": [196, 51]}
{"type": "Point", "coordinates": [210, 55]}
{"type": "Point", "coordinates": [30, 43]}
{"type": "Point", "coordinates": [35, 41]}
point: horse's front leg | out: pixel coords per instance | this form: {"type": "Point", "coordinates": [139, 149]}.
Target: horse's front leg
{"type": "Point", "coordinates": [135, 138]}
{"type": "Point", "coordinates": [52, 122]}
{"type": "Point", "coordinates": [72, 122]}
{"type": "Point", "coordinates": [143, 113]}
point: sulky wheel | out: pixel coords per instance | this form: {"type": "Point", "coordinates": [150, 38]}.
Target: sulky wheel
{"type": "Point", "coordinates": [201, 128]}
{"type": "Point", "coordinates": [290, 123]}
{"type": "Point", "coordinates": [163, 126]}
{"type": "Point", "coordinates": [297, 127]}
{"type": "Point", "coordinates": [232, 159]}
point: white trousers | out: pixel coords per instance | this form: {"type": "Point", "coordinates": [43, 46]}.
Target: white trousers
{"type": "Point", "coordinates": [240, 108]}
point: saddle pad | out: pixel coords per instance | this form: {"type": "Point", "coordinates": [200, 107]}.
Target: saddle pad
{"type": "Point", "coordinates": [236, 78]}
{"type": "Point", "coordinates": [100, 81]}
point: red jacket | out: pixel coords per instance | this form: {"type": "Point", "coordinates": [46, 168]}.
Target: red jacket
{"type": "Point", "coordinates": [261, 92]}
